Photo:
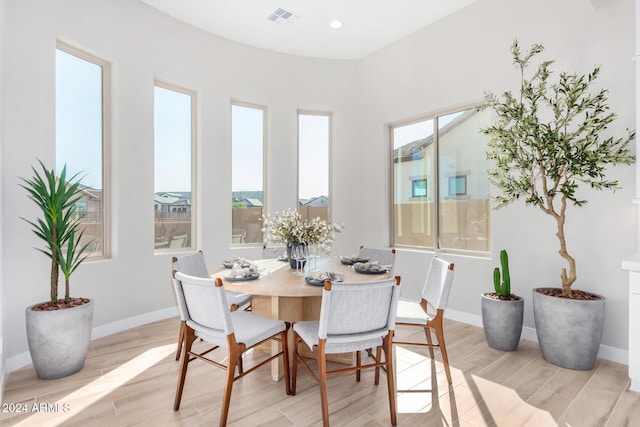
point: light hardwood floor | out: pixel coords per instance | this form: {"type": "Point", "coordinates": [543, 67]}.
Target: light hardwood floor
{"type": "Point", "coordinates": [129, 379]}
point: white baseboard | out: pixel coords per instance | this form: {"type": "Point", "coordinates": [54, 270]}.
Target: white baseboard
{"type": "Point", "coordinates": [24, 359]}
{"type": "Point", "coordinates": [613, 354]}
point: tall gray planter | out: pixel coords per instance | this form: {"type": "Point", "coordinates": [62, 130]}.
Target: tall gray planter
{"type": "Point", "coordinates": [502, 322]}
{"type": "Point", "coordinates": [59, 339]}
{"type": "Point", "coordinates": [569, 331]}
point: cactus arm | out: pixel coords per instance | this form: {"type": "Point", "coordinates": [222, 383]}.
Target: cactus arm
{"type": "Point", "coordinates": [496, 280]}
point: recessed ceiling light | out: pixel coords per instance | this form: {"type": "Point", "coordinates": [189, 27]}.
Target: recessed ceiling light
{"type": "Point", "coordinates": [335, 24]}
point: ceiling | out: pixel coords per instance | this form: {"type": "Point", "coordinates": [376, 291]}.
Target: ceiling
{"type": "Point", "coordinates": [301, 27]}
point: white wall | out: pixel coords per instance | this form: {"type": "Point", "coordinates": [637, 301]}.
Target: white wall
{"type": "Point", "coordinates": [456, 60]}
{"type": "Point", "coordinates": [142, 45]}
{"type": "Point", "coordinates": [452, 62]}
{"type": "Point", "coordinates": [2, 204]}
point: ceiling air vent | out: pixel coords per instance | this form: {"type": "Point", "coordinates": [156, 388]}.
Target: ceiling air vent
{"type": "Point", "coordinates": [281, 15]}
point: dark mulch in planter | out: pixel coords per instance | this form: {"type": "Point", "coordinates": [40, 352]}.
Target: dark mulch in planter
{"type": "Point", "coordinates": [575, 294]}
{"type": "Point", "coordinates": [495, 296]}
{"type": "Point", "coordinates": [60, 304]}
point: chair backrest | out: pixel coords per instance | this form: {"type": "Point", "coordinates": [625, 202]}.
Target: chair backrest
{"type": "Point", "coordinates": [178, 241]}
{"type": "Point", "coordinates": [191, 264]}
{"type": "Point", "coordinates": [383, 256]}
{"type": "Point", "coordinates": [205, 302]}
{"type": "Point", "coordinates": [438, 283]}
{"type": "Point", "coordinates": [273, 251]}
{"type": "Point", "coordinates": [358, 311]}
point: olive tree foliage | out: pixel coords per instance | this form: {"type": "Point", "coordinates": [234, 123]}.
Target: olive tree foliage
{"type": "Point", "coordinates": [547, 140]}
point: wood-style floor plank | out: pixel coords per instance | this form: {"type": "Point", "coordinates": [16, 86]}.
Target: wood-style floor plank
{"type": "Point", "coordinates": [129, 379]}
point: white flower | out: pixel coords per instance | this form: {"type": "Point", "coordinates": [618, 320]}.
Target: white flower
{"type": "Point", "coordinates": [290, 227]}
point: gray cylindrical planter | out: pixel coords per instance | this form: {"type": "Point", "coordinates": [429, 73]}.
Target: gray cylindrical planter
{"type": "Point", "coordinates": [59, 339]}
{"type": "Point", "coordinates": [569, 330]}
{"type": "Point", "coordinates": [502, 322]}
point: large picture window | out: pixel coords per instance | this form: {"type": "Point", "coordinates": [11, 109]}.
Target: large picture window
{"type": "Point", "coordinates": [314, 130]}
{"type": "Point", "coordinates": [82, 138]}
{"type": "Point", "coordinates": [174, 141]}
{"type": "Point", "coordinates": [247, 172]}
{"type": "Point", "coordinates": [447, 206]}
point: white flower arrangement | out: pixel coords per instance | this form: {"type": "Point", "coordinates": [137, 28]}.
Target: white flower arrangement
{"type": "Point", "coordinates": [290, 227]}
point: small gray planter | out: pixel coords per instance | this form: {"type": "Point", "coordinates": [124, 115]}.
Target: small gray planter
{"type": "Point", "coordinates": [569, 331]}
{"type": "Point", "coordinates": [59, 339]}
{"type": "Point", "coordinates": [502, 322]}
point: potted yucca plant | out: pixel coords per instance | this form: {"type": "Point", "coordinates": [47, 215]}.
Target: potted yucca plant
{"type": "Point", "coordinates": [58, 330]}
{"type": "Point", "coordinates": [546, 142]}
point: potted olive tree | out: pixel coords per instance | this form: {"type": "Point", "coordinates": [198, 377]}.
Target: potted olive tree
{"type": "Point", "coordinates": [502, 311]}
{"type": "Point", "coordinates": [59, 330]}
{"type": "Point", "coordinates": [547, 140]}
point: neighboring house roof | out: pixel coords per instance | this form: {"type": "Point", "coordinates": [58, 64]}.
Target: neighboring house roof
{"type": "Point", "coordinates": [415, 150]}
{"type": "Point", "coordinates": [173, 198]}
{"type": "Point", "coordinates": [316, 201]}
{"type": "Point", "coordinates": [90, 192]}
{"type": "Point", "coordinates": [249, 202]}
{"type": "Point", "coordinates": [246, 195]}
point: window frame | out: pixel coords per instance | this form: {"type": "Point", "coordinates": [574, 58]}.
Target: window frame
{"type": "Point", "coordinates": [106, 142]}
{"type": "Point", "coordinates": [194, 182]}
{"type": "Point", "coordinates": [265, 119]}
{"type": "Point", "coordinates": [436, 196]}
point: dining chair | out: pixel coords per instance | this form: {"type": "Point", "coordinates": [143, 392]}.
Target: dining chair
{"type": "Point", "coordinates": [207, 317]}
{"type": "Point", "coordinates": [428, 313]}
{"type": "Point", "coordinates": [353, 317]}
{"type": "Point", "coordinates": [178, 241]}
{"type": "Point", "coordinates": [383, 256]}
{"type": "Point", "coordinates": [194, 265]}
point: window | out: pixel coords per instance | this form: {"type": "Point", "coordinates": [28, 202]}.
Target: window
{"type": "Point", "coordinates": [174, 141]}
{"type": "Point", "coordinates": [82, 137]}
{"type": "Point", "coordinates": [419, 188]}
{"type": "Point", "coordinates": [457, 185]}
{"type": "Point", "coordinates": [440, 183]}
{"type": "Point", "coordinates": [247, 172]}
{"type": "Point", "coordinates": [313, 164]}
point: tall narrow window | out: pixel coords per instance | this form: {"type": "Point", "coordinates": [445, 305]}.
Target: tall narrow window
{"type": "Point", "coordinates": [440, 183]}
{"type": "Point", "coordinates": [174, 139]}
{"type": "Point", "coordinates": [82, 124]}
{"type": "Point", "coordinates": [313, 164]}
{"type": "Point", "coordinates": [247, 172]}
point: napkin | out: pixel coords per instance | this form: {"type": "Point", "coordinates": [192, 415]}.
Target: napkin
{"type": "Point", "coordinates": [371, 266]}
{"type": "Point", "coordinates": [238, 271]}
{"type": "Point", "coordinates": [354, 258]}
{"type": "Point", "coordinates": [321, 276]}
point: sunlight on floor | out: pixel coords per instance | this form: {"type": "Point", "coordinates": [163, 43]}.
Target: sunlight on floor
{"type": "Point", "coordinates": [472, 397]}
{"type": "Point", "coordinates": [89, 394]}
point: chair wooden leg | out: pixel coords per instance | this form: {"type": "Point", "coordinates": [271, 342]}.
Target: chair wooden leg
{"type": "Point", "coordinates": [285, 358]}
{"type": "Point", "coordinates": [388, 356]}
{"type": "Point", "coordinates": [187, 341]}
{"type": "Point", "coordinates": [443, 350]}
{"type": "Point", "coordinates": [234, 355]}
{"type": "Point", "coordinates": [294, 367]}
{"type": "Point", "coordinates": [180, 339]}
{"type": "Point", "coordinates": [427, 333]}
{"type": "Point", "coordinates": [358, 364]}
{"type": "Point", "coordinates": [322, 368]}
{"type": "Point", "coordinates": [378, 358]}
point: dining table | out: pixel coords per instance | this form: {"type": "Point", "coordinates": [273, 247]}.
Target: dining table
{"type": "Point", "coordinates": [279, 293]}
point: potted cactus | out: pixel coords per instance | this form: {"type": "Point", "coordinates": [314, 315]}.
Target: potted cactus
{"type": "Point", "coordinates": [502, 311]}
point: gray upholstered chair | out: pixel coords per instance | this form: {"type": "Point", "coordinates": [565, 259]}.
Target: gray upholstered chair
{"type": "Point", "coordinates": [353, 317]}
{"type": "Point", "coordinates": [195, 265]}
{"type": "Point", "coordinates": [207, 317]}
{"type": "Point", "coordinates": [428, 313]}
{"type": "Point", "coordinates": [383, 256]}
